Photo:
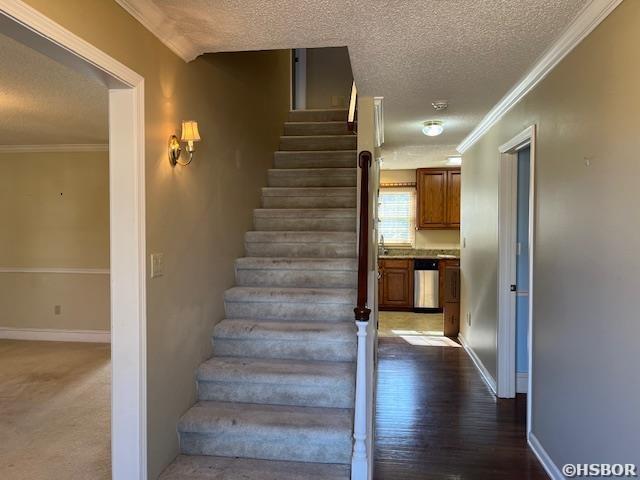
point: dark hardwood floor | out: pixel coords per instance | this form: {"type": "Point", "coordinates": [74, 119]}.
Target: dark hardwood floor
{"type": "Point", "coordinates": [436, 419]}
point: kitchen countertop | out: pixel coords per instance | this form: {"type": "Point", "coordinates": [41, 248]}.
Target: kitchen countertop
{"type": "Point", "coordinates": [420, 257]}
{"type": "Point", "coordinates": [428, 254]}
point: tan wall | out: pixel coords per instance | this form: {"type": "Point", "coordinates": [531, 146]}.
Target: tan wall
{"type": "Point", "coordinates": [328, 75]}
{"type": "Point", "coordinates": [425, 239]}
{"type": "Point", "coordinates": [587, 232]}
{"type": "Point", "coordinates": [196, 215]}
{"type": "Point", "coordinates": [54, 209]}
{"type": "Point", "coordinates": [28, 301]}
{"type": "Point", "coordinates": [54, 212]}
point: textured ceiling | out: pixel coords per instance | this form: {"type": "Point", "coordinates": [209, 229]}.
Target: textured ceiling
{"type": "Point", "coordinates": [416, 156]}
{"type": "Point", "coordinates": [411, 52]}
{"type": "Point", "coordinates": [43, 102]}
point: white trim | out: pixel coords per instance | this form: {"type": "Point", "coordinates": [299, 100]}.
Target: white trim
{"type": "Point", "coordinates": [60, 42]}
{"type": "Point", "coordinates": [518, 142]}
{"type": "Point", "coordinates": [359, 456]}
{"type": "Point", "coordinates": [56, 270]}
{"type": "Point", "coordinates": [55, 335]}
{"type": "Point", "coordinates": [550, 467]}
{"type": "Point", "coordinates": [588, 19]}
{"type": "Point", "coordinates": [507, 217]}
{"type": "Point", "coordinates": [127, 222]}
{"type": "Point", "coordinates": [300, 78]}
{"type": "Point", "coordinates": [522, 382]}
{"type": "Point", "coordinates": [154, 20]}
{"type": "Point", "coordinates": [79, 147]}
{"type": "Point", "coordinates": [378, 112]}
{"type": "Point", "coordinates": [484, 373]}
{"type": "Point", "coordinates": [506, 330]}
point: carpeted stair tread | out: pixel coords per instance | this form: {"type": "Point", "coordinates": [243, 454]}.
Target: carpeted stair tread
{"type": "Point", "coordinates": [322, 213]}
{"type": "Point", "coordinates": [318, 115]}
{"type": "Point", "coordinates": [300, 331]}
{"type": "Point", "coordinates": [270, 432]}
{"type": "Point", "coordinates": [300, 263]}
{"type": "Point", "coordinates": [318, 142]}
{"type": "Point", "coordinates": [292, 295]}
{"type": "Point", "coordinates": [260, 370]}
{"type": "Point", "coordinates": [317, 128]}
{"type": "Point", "coordinates": [204, 467]}
{"type": "Point", "coordinates": [312, 177]}
{"type": "Point", "coordinates": [300, 237]}
{"type": "Point", "coordinates": [309, 191]}
{"type": "Point", "coordinates": [302, 159]}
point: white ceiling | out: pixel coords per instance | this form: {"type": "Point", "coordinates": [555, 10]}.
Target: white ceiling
{"type": "Point", "coordinates": [45, 103]}
{"type": "Point", "coordinates": [411, 52]}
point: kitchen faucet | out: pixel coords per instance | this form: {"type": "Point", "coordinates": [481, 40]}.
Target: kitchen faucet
{"type": "Point", "coordinates": [382, 250]}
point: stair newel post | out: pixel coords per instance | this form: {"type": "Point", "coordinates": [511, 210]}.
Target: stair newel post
{"type": "Point", "coordinates": [359, 462]}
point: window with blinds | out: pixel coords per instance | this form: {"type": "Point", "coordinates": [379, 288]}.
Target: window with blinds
{"type": "Point", "coordinates": [397, 215]}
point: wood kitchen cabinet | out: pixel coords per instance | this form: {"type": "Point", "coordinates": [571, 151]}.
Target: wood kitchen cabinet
{"type": "Point", "coordinates": [450, 295]}
{"type": "Point", "coordinates": [395, 284]}
{"type": "Point", "coordinates": [438, 198]}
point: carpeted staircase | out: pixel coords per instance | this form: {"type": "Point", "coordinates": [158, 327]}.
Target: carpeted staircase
{"type": "Point", "coordinates": [275, 402]}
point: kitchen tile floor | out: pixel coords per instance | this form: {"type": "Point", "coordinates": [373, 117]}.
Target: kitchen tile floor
{"type": "Point", "coordinates": [420, 329]}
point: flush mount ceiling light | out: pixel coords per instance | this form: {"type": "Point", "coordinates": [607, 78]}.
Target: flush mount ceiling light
{"type": "Point", "coordinates": [433, 128]}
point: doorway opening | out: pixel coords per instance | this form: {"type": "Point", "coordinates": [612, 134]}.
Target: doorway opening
{"type": "Point", "coordinates": [321, 79]}
{"type": "Point", "coordinates": [28, 26]}
{"type": "Point", "coordinates": [515, 269]}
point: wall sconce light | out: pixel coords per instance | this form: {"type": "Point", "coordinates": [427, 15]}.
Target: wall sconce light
{"type": "Point", "coordinates": [190, 134]}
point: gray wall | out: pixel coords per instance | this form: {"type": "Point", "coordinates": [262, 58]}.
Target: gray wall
{"type": "Point", "coordinates": [328, 75]}
{"type": "Point", "coordinates": [586, 387]}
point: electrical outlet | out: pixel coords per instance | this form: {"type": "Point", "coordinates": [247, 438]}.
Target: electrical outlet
{"type": "Point", "coordinates": [57, 309]}
{"type": "Point", "coordinates": [469, 318]}
{"type": "Point", "coordinates": [157, 265]}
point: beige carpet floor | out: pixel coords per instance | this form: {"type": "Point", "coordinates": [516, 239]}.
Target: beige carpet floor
{"type": "Point", "coordinates": [54, 411]}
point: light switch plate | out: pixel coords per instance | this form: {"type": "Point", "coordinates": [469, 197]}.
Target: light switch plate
{"type": "Point", "coordinates": [157, 265]}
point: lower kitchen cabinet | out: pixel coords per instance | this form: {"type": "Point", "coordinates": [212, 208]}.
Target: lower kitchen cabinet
{"type": "Point", "coordinates": [395, 284]}
{"type": "Point", "coordinates": [450, 296]}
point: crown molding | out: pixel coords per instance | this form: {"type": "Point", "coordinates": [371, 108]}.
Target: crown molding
{"type": "Point", "coordinates": [154, 20]}
{"type": "Point", "coordinates": [67, 148]}
{"type": "Point", "coordinates": [588, 19]}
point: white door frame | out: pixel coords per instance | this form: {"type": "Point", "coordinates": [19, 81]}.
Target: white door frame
{"type": "Point", "coordinates": [127, 217]}
{"type": "Point", "coordinates": [300, 77]}
{"type": "Point", "coordinates": [507, 217]}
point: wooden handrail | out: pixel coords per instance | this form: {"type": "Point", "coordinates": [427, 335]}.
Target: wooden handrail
{"type": "Point", "coordinates": [361, 310]}
{"type": "Point", "coordinates": [359, 458]}
{"type": "Point", "coordinates": [351, 119]}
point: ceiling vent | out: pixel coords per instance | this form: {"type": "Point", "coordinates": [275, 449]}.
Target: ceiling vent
{"type": "Point", "coordinates": [440, 105]}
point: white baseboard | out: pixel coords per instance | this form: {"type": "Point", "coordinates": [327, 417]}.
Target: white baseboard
{"type": "Point", "coordinates": [522, 382]}
{"type": "Point", "coordinates": [52, 335]}
{"type": "Point", "coordinates": [552, 470]}
{"type": "Point", "coordinates": [484, 373]}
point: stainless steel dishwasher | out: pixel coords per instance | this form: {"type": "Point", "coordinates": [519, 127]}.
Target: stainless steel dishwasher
{"type": "Point", "coordinates": [426, 284]}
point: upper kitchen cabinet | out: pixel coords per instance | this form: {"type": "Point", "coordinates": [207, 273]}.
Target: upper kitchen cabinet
{"type": "Point", "coordinates": [438, 198]}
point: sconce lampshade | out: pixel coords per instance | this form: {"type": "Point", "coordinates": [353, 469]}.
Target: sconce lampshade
{"type": "Point", "coordinates": [190, 131]}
